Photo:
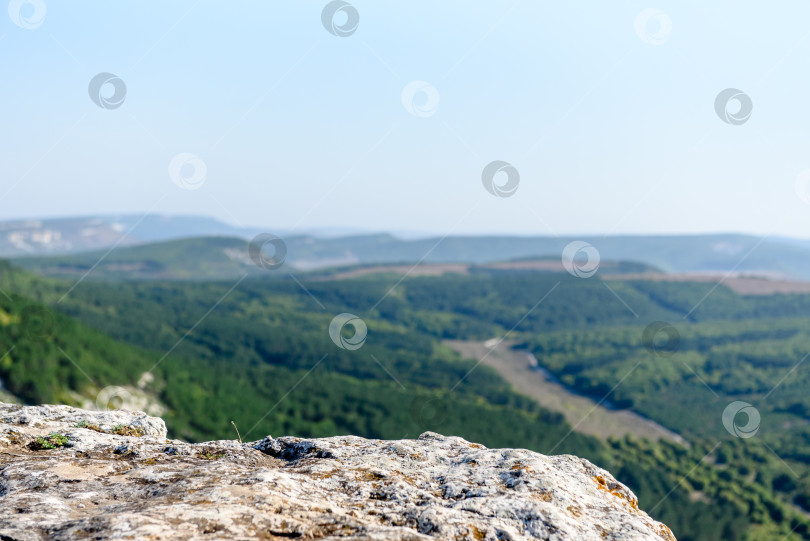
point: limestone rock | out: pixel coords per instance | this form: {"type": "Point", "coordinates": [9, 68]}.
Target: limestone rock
{"type": "Point", "coordinates": [67, 473]}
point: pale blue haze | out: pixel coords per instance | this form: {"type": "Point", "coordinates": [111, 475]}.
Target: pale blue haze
{"type": "Point", "coordinates": [609, 133]}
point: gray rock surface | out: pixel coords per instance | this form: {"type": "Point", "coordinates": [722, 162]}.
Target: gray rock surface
{"type": "Point", "coordinates": [64, 474]}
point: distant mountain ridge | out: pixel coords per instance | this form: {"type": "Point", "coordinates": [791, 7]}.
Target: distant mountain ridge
{"type": "Point", "coordinates": [57, 236]}
{"type": "Point", "coordinates": [186, 245]}
{"type": "Point", "coordinates": [226, 258]}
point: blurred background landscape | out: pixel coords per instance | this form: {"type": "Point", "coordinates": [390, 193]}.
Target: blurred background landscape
{"type": "Point", "coordinates": [573, 229]}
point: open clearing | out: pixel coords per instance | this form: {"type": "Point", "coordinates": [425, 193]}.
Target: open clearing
{"type": "Point", "coordinates": [583, 413]}
{"type": "Point", "coordinates": [744, 285]}
{"type": "Point", "coordinates": [425, 269]}
{"type": "Point", "coordinates": [438, 269]}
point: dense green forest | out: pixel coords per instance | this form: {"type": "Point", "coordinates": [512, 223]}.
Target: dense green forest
{"type": "Point", "coordinates": [257, 351]}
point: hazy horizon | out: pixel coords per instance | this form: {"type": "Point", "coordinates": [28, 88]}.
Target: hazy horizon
{"type": "Point", "coordinates": [340, 230]}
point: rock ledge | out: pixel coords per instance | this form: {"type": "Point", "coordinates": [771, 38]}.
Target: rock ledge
{"type": "Point", "coordinates": [67, 473]}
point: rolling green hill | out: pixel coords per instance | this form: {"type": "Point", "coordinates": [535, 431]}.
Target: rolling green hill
{"type": "Point", "coordinates": [196, 259]}
{"type": "Point", "coordinates": [222, 258]}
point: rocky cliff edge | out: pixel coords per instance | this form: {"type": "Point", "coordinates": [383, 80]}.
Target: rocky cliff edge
{"type": "Point", "coordinates": [67, 473]}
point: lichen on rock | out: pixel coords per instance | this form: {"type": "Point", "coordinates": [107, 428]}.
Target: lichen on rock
{"type": "Point", "coordinates": [107, 482]}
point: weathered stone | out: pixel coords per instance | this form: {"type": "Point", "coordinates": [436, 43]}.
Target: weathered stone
{"type": "Point", "coordinates": [100, 485]}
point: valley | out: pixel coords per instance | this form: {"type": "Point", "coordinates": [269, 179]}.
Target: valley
{"type": "Point", "coordinates": [582, 413]}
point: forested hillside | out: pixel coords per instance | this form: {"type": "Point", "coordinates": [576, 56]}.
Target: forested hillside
{"type": "Point", "coordinates": [258, 352]}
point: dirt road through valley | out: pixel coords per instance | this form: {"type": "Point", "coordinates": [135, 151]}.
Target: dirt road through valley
{"type": "Point", "coordinates": [582, 412]}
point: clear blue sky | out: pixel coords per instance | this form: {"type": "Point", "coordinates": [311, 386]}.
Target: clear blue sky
{"type": "Point", "coordinates": [300, 128]}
